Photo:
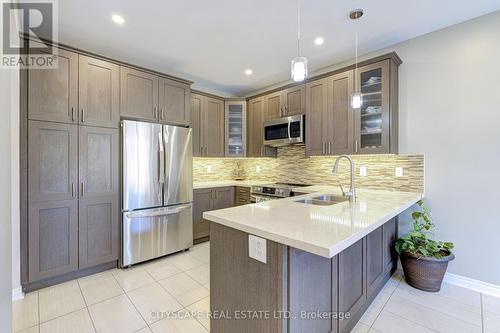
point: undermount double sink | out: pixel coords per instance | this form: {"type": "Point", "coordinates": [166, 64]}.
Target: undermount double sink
{"type": "Point", "coordinates": [323, 200]}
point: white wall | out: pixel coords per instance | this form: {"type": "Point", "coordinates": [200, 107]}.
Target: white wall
{"type": "Point", "coordinates": [16, 245]}
{"type": "Point", "coordinates": [450, 111]}
{"type": "Point", "coordinates": [6, 85]}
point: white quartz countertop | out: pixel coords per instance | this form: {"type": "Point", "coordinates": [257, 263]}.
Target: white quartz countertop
{"type": "Point", "coordinates": [222, 183]}
{"type": "Point", "coordinates": [322, 230]}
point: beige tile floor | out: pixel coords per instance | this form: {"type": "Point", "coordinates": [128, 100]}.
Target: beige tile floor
{"type": "Point", "coordinates": [125, 301]}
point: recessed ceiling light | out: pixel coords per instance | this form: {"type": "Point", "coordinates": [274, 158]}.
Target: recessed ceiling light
{"type": "Point", "coordinates": [319, 41]}
{"type": "Point", "coordinates": [248, 71]}
{"type": "Point", "coordinates": [118, 19]}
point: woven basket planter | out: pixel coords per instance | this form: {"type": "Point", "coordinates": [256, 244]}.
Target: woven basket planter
{"type": "Point", "coordinates": [425, 273]}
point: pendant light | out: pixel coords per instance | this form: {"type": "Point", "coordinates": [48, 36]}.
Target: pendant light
{"type": "Point", "coordinates": [299, 64]}
{"type": "Point", "coordinates": [356, 97]}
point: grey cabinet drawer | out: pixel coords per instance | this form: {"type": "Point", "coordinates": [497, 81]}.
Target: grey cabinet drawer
{"type": "Point", "coordinates": [241, 195]}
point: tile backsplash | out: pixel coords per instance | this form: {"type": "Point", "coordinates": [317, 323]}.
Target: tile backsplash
{"type": "Point", "coordinates": [292, 166]}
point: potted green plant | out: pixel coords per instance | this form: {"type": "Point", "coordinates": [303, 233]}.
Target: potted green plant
{"type": "Point", "coordinates": [424, 260]}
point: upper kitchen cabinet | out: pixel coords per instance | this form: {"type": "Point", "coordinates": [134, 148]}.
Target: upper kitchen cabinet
{"type": "Point", "coordinates": [376, 122]}
{"type": "Point", "coordinates": [146, 96]}
{"type": "Point", "coordinates": [273, 104]}
{"type": "Point", "coordinates": [255, 129]}
{"type": "Point", "coordinates": [196, 107]}
{"type": "Point", "coordinates": [334, 128]}
{"type": "Point", "coordinates": [294, 100]}
{"type": "Point", "coordinates": [213, 127]}
{"type": "Point", "coordinates": [99, 94]}
{"type": "Point", "coordinates": [329, 124]}
{"type": "Point", "coordinates": [139, 94]}
{"type": "Point", "coordinates": [339, 115]}
{"type": "Point", "coordinates": [53, 93]}
{"type": "Point", "coordinates": [316, 108]}
{"type": "Point", "coordinates": [284, 103]}
{"type": "Point", "coordinates": [173, 102]}
{"type": "Point", "coordinates": [235, 128]}
{"type": "Point", "coordinates": [207, 121]}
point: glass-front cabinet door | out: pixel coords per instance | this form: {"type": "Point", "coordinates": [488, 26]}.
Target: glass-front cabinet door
{"type": "Point", "coordinates": [235, 128]}
{"type": "Point", "coordinates": [372, 120]}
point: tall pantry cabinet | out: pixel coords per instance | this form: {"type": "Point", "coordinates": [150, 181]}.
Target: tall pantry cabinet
{"type": "Point", "coordinates": [70, 161]}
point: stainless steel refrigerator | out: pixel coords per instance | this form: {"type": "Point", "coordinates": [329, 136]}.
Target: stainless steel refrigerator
{"type": "Point", "coordinates": [157, 187]}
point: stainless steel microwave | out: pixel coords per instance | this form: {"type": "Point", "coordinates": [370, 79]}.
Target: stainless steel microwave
{"type": "Point", "coordinates": [284, 131]}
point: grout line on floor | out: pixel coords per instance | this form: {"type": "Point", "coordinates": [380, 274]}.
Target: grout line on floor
{"type": "Point", "coordinates": [136, 309]}
{"type": "Point", "coordinates": [86, 305]}
{"type": "Point", "coordinates": [413, 321]}
{"type": "Point", "coordinates": [51, 319]}
{"type": "Point", "coordinates": [388, 299]}
{"type": "Point", "coordinates": [482, 312]}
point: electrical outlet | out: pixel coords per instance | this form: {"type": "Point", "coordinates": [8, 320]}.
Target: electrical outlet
{"type": "Point", "coordinates": [362, 171]}
{"type": "Point", "coordinates": [399, 172]}
{"type": "Point", "coordinates": [258, 168]}
{"type": "Point", "coordinates": [257, 248]}
{"type": "Point", "coordinates": [209, 168]}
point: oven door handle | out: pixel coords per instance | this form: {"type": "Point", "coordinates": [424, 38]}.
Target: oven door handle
{"type": "Point", "coordinates": [289, 126]}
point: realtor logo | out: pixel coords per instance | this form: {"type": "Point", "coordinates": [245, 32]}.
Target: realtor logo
{"type": "Point", "coordinates": [25, 26]}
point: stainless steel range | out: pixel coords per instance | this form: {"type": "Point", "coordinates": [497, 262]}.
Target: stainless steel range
{"type": "Point", "coordinates": [261, 193]}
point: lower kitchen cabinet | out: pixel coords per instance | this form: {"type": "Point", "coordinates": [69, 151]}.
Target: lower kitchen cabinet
{"type": "Point", "coordinates": [242, 196]}
{"type": "Point", "coordinates": [297, 281]}
{"type": "Point", "coordinates": [205, 200]}
{"type": "Point", "coordinates": [98, 230]}
{"type": "Point", "coordinates": [202, 202]}
{"type": "Point", "coordinates": [351, 281]}
{"type": "Point", "coordinates": [53, 238]}
{"type": "Point", "coordinates": [374, 260]}
{"type": "Point", "coordinates": [389, 251]}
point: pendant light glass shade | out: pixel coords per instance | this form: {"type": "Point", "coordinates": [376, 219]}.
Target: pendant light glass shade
{"type": "Point", "coordinates": [356, 100]}
{"type": "Point", "coordinates": [299, 69]}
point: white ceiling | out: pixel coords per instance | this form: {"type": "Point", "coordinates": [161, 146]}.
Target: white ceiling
{"type": "Point", "coordinates": [213, 42]}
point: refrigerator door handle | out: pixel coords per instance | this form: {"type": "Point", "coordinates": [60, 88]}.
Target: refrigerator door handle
{"type": "Point", "coordinates": [161, 212]}
{"type": "Point", "coordinates": [161, 178]}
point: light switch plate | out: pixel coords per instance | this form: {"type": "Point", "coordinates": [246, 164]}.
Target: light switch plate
{"type": "Point", "coordinates": [209, 168]}
{"type": "Point", "coordinates": [258, 168]}
{"type": "Point", "coordinates": [399, 172]}
{"type": "Point", "coordinates": [362, 171]}
{"type": "Point", "coordinates": [257, 248]}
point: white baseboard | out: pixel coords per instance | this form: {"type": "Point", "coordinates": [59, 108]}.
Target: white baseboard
{"type": "Point", "coordinates": [17, 293]}
{"type": "Point", "coordinates": [480, 286]}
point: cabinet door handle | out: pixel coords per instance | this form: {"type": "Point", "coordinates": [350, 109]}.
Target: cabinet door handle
{"type": "Point", "coordinates": [329, 147]}
{"type": "Point", "coordinates": [155, 112]}
{"type": "Point", "coordinates": [161, 114]}
{"type": "Point", "coordinates": [72, 114]}
{"type": "Point", "coordinates": [356, 146]}
{"type": "Point", "coordinates": [83, 115]}
{"type": "Point", "coordinates": [83, 189]}
{"type": "Point", "coordinates": [72, 190]}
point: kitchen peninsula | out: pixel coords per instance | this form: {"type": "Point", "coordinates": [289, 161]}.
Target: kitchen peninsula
{"type": "Point", "coordinates": [321, 265]}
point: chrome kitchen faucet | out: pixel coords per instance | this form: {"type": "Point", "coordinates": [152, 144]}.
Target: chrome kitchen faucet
{"type": "Point", "coordinates": [352, 191]}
